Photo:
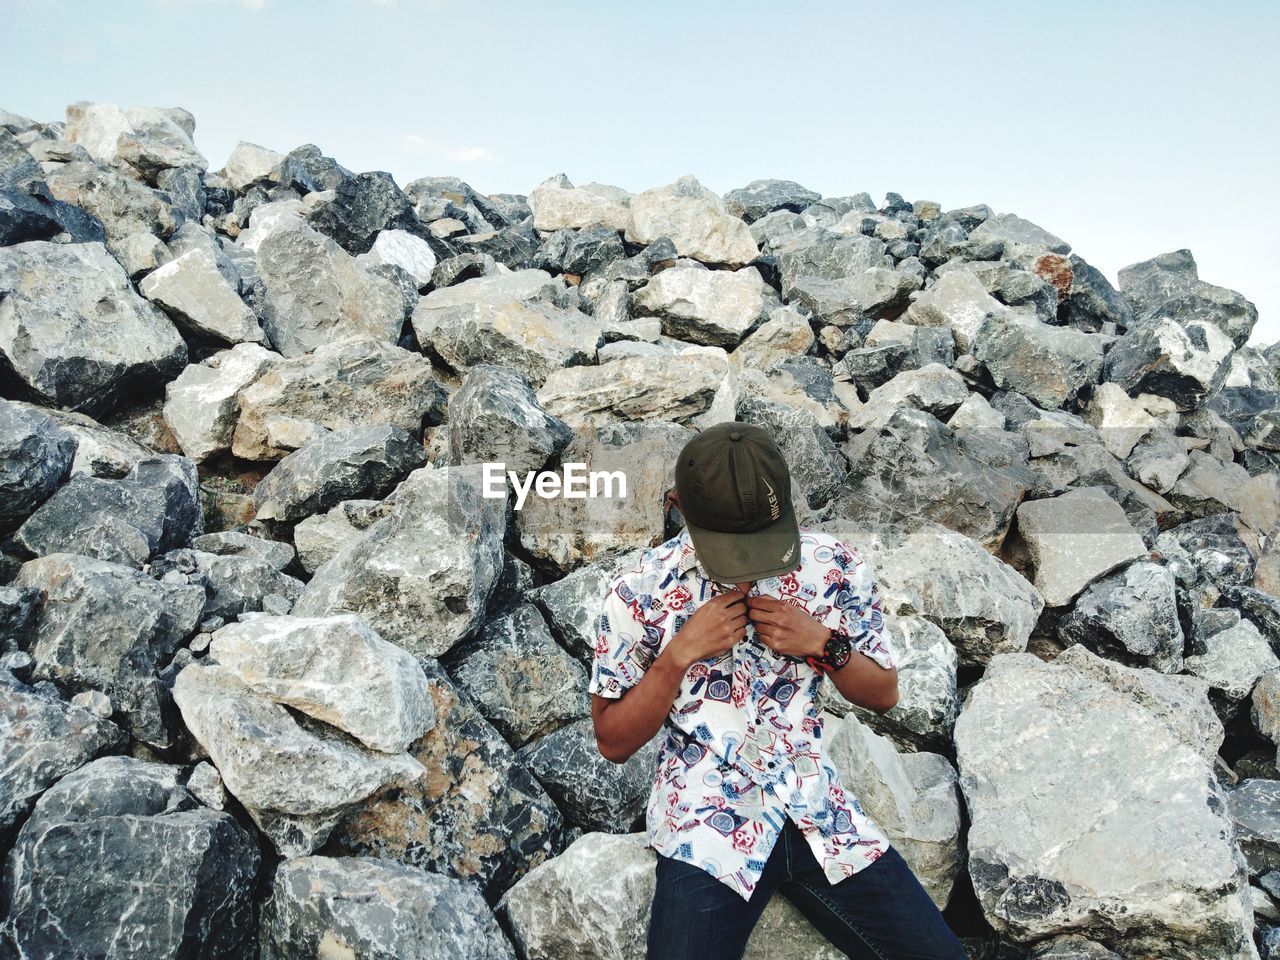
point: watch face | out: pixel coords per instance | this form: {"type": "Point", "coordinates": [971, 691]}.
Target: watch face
{"type": "Point", "coordinates": [839, 649]}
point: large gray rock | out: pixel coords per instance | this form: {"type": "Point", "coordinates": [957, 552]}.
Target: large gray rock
{"type": "Point", "coordinates": [592, 792]}
{"type": "Point", "coordinates": [959, 300]}
{"type": "Point", "coordinates": [588, 903]}
{"type": "Point", "coordinates": [1074, 539]}
{"type": "Point", "coordinates": [198, 297]}
{"type": "Point", "coordinates": [759, 198]}
{"type": "Point", "coordinates": [44, 738]}
{"type": "Point", "coordinates": [1183, 362]}
{"type": "Point", "coordinates": [524, 683]}
{"type": "Point", "coordinates": [1170, 285]}
{"type": "Point", "coordinates": [314, 292]}
{"type": "Point", "coordinates": [479, 815]}
{"type": "Point", "coordinates": [712, 307]}
{"type": "Point", "coordinates": [358, 462]}
{"type": "Point", "coordinates": [120, 860]}
{"type": "Point", "coordinates": [572, 603]}
{"type": "Point", "coordinates": [1020, 238]}
{"type": "Point", "coordinates": [909, 468]}
{"type": "Point", "coordinates": [680, 387]}
{"type": "Point", "coordinates": [570, 532]}
{"type": "Point", "coordinates": [422, 575]}
{"type": "Point", "coordinates": [74, 331]}
{"type": "Point", "coordinates": [156, 507]}
{"type": "Point", "coordinates": [784, 334]}
{"type": "Point", "coordinates": [334, 669]}
{"type": "Point", "coordinates": [1131, 616]}
{"type": "Point", "coordinates": [347, 383]}
{"type": "Point", "coordinates": [1059, 843]}
{"type": "Point", "coordinates": [825, 255]}
{"type": "Point", "coordinates": [511, 319]}
{"type": "Point", "coordinates": [558, 205]}
{"type": "Point", "coordinates": [927, 703]}
{"type": "Point", "coordinates": [912, 797]}
{"type": "Point", "coordinates": [100, 451]}
{"type": "Point", "coordinates": [494, 417]}
{"type": "Point", "coordinates": [143, 140]}
{"type": "Point", "coordinates": [295, 780]}
{"type": "Point", "coordinates": [1048, 364]}
{"type": "Point", "coordinates": [103, 626]}
{"type": "Point", "coordinates": [376, 909]}
{"type": "Point", "coordinates": [694, 219]}
{"type": "Point", "coordinates": [127, 208]}
{"type": "Point", "coordinates": [36, 456]}
{"type": "Point", "coordinates": [201, 405]}
{"type": "Point", "coordinates": [983, 605]}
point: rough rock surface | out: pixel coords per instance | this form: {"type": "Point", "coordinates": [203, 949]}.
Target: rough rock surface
{"type": "Point", "coordinates": [1067, 488]}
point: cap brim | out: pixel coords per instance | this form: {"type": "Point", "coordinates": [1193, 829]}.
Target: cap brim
{"type": "Point", "coordinates": [736, 557]}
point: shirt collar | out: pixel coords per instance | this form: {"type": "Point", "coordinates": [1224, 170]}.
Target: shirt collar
{"type": "Point", "coordinates": [685, 557]}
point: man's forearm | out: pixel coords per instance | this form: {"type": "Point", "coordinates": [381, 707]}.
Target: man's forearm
{"type": "Point", "coordinates": [629, 722]}
{"type": "Point", "coordinates": [865, 683]}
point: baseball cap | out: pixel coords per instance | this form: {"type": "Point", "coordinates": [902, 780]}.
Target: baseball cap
{"type": "Point", "coordinates": [735, 495]}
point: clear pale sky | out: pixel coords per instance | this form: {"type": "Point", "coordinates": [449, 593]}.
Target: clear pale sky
{"type": "Point", "coordinates": [1126, 128]}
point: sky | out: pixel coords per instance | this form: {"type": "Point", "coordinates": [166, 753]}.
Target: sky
{"type": "Point", "coordinates": [1127, 128]}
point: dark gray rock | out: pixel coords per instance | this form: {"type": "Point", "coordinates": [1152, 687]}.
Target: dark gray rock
{"type": "Point", "coordinates": [234, 584]}
{"type": "Point", "coordinates": [308, 170]}
{"type": "Point", "coordinates": [1183, 362]}
{"type": "Point", "coordinates": [495, 417]}
{"type": "Point", "coordinates": [1092, 302]}
{"type": "Point", "coordinates": [44, 739]}
{"type": "Point", "coordinates": [155, 508]}
{"type": "Point", "coordinates": [77, 334]}
{"type": "Point", "coordinates": [362, 206]}
{"type": "Point", "coordinates": [913, 468]}
{"type": "Point", "coordinates": [376, 909]}
{"type": "Point", "coordinates": [594, 793]}
{"type": "Point", "coordinates": [579, 251]}
{"type": "Point", "coordinates": [759, 198]}
{"type": "Point", "coordinates": [1130, 616]}
{"type": "Point", "coordinates": [104, 626]}
{"type": "Point", "coordinates": [479, 815]}
{"type": "Point", "coordinates": [119, 860]}
{"type": "Point", "coordinates": [524, 683]}
{"type": "Point", "coordinates": [35, 458]}
{"type": "Point", "coordinates": [1170, 286]}
{"type": "Point", "coordinates": [1255, 811]}
{"type": "Point", "coordinates": [359, 462]}
{"type": "Point", "coordinates": [233, 543]}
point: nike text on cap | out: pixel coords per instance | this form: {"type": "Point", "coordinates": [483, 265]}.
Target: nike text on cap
{"type": "Point", "coordinates": [735, 494]}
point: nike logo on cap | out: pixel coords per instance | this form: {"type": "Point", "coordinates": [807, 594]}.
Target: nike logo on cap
{"type": "Point", "coordinates": [775, 510]}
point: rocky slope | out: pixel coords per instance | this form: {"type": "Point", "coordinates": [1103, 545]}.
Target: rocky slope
{"type": "Point", "coordinates": [281, 680]}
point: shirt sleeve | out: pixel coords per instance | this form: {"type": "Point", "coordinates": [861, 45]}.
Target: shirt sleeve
{"type": "Point", "coordinates": [621, 655]}
{"type": "Point", "coordinates": [861, 613]}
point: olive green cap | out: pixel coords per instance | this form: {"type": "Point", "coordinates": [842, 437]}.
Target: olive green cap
{"type": "Point", "coordinates": [734, 488]}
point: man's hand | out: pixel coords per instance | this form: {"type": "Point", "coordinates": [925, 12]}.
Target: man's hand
{"type": "Point", "coordinates": [714, 628]}
{"type": "Point", "coordinates": [786, 628]}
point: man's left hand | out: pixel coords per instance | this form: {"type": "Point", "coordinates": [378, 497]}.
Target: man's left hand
{"type": "Point", "coordinates": [787, 629]}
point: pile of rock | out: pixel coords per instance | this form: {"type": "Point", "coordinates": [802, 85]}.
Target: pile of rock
{"type": "Point", "coordinates": [282, 676]}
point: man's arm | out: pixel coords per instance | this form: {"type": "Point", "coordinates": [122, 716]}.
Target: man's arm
{"type": "Point", "coordinates": [627, 717]}
{"type": "Point", "coordinates": [865, 682]}
{"type": "Point", "coordinates": [625, 724]}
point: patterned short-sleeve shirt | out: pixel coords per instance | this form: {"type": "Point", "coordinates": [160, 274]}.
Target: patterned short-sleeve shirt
{"type": "Point", "coordinates": [744, 737]}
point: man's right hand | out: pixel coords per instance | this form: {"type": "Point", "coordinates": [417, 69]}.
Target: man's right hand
{"type": "Point", "coordinates": [716, 626]}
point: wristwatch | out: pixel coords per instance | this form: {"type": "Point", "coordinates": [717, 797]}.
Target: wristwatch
{"type": "Point", "coordinates": [836, 653]}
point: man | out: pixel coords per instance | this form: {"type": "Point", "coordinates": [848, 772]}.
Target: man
{"type": "Point", "coordinates": [722, 635]}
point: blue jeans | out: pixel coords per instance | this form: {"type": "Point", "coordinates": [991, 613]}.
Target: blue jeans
{"type": "Point", "coordinates": [879, 913]}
